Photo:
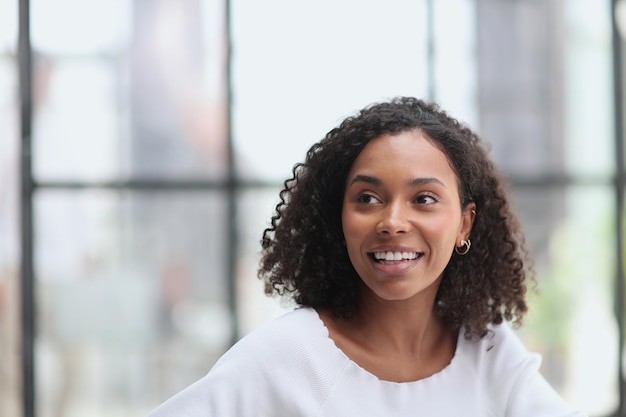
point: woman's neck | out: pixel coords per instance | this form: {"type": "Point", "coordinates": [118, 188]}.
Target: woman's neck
{"type": "Point", "coordinates": [395, 340]}
{"type": "Point", "coordinates": [408, 328]}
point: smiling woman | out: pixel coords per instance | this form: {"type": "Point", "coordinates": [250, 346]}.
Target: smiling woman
{"type": "Point", "coordinates": [398, 311]}
{"type": "Point", "coordinates": [324, 276]}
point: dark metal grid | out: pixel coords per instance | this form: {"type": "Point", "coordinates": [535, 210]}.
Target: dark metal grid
{"type": "Point", "coordinates": [232, 238]}
{"type": "Point", "coordinates": [26, 229]}
{"type": "Point", "coordinates": [620, 182]}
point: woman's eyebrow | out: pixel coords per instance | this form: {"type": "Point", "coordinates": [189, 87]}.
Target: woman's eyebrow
{"type": "Point", "coordinates": [368, 179]}
{"type": "Point", "coordinates": [425, 180]}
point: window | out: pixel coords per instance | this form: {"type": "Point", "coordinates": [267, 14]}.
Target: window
{"type": "Point", "coordinates": [161, 133]}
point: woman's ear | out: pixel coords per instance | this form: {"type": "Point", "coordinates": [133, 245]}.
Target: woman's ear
{"type": "Point", "coordinates": [467, 221]}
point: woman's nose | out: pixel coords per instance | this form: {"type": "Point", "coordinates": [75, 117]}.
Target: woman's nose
{"type": "Point", "coordinates": [394, 220]}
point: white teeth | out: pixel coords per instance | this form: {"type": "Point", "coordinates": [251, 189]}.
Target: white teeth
{"type": "Point", "coordinates": [394, 256]}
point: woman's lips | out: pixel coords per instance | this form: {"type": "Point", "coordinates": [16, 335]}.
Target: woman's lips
{"type": "Point", "coordinates": [395, 262]}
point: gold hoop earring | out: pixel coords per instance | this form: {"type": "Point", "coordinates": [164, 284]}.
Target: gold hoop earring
{"type": "Point", "coordinates": [464, 248]}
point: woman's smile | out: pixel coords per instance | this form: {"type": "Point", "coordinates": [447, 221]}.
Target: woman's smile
{"type": "Point", "coordinates": [395, 266]}
{"type": "Point", "coordinates": [394, 261]}
{"type": "Point", "coordinates": [391, 257]}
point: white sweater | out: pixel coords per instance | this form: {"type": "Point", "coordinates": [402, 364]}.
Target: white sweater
{"type": "Point", "coordinates": [290, 367]}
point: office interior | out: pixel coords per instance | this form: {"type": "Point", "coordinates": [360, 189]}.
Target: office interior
{"type": "Point", "coordinates": [143, 145]}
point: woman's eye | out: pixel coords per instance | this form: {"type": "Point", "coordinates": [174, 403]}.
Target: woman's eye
{"type": "Point", "coordinates": [426, 199]}
{"type": "Point", "coordinates": [367, 199]}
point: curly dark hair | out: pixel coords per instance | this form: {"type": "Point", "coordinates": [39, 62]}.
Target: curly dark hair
{"type": "Point", "coordinates": [303, 254]}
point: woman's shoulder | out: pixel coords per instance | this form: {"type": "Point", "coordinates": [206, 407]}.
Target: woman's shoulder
{"type": "Point", "coordinates": [297, 341]}
{"type": "Point", "coordinates": [499, 351]}
{"type": "Point", "coordinates": [498, 363]}
{"type": "Point", "coordinates": [502, 337]}
{"type": "Point", "coordinates": [510, 375]}
{"type": "Point", "coordinates": [284, 367]}
{"type": "Point", "coordinates": [289, 356]}
{"type": "Point", "coordinates": [285, 331]}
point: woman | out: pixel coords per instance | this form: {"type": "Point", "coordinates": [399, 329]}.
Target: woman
{"type": "Point", "coordinates": [396, 240]}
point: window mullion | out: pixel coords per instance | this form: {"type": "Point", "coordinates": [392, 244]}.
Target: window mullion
{"type": "Point", "coordinates": [28, 330]}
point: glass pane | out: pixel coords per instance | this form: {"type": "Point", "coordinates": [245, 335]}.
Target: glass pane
{"type": "Point", "coordinates": [132, 298]}
{"type": "Point", "coordinates": [103, 26]}
{"type": "Point", "coordinates": [8, 26]}
{"type": "Point", "coordinates": [453, 49]}
{"type": "Point", "coordinates": [65, 145]}
{"type": "Point", "coordinates": [298, 70]}
{"type": "Point", "coordinates": [10, 379]}
{"type": "Point", "coordinates": [255, 209]}
{"type": "Point", "coordinates": [589, 146]}
{"type": "Point", "coordinates": [571, 235]}
{"type": "Point", "coordinates": [140, 94]}
{"type": "Point", "coordinates": [519, 107]}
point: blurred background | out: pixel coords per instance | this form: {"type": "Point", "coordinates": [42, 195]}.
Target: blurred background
{"type": "Point", "coordinates": [143, 144]}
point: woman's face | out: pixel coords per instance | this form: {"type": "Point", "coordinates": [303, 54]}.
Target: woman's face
{"type": "Point", "coordinates": [402, 216]}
